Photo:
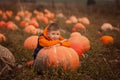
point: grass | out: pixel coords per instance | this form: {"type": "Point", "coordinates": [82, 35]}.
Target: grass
{"type": "Point", "coordinates": [100, 62]}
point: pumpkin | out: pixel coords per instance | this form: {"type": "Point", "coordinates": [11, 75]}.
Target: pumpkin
{"type": "Point", "coordinates": [60, 16]}
{"type": "Point", "coordinates": [106, 26]}
{"type": "Point", "coordinates": [30, 29]}
{"type": "Point", "coordinates": [21, 13]}
{"type": "Point", "coordinates": [31, 42]}
{"type": "Point", "coordinates": [49, 15]}
{"type": "Point", "coordinates": [11, 26]}
{"type": "Point", "coordinates": [107, 40]}
{"type": "Point", "coordinates": [68, 21]}
{"type": "Point", "coordinates": [44, 20]}
{"type": "Point", "coordinates": [79, 43]}
{"type": "Point", "coordinates": [79, 26]}
{"type": "Point", "coordinates": [9, 13]}
{"type": "Point", "coordinates": [17, 18]}
{"type": "Point", "coordinates": [75, 34]}
{"type": "Point", "coordinates": [36, 12]}
{"type": "Point", "coordinates": [84, 20]}
{"type": "Point", "coordinates": [6, 56]}
{"type": "Point", "coordinates": [1, 12]}
{"type": "Point", "coordinates": [73, 19]}
{"type": "Point", "coordinates": [2, 37]}
{"type": "Point", "coordinates": [2, 24]}
{"type": "Point", "coordinates": [4, 16]}
{"type": "Point", "coordinates": [23, 23]}
{"type": "Point", "coordinates": [57, 56]}
{"type": "Point", "coordinates": [34, 23]}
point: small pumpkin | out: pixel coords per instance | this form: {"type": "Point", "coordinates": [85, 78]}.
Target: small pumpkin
{"type": "Point", "coordinates": [73, 19]}
{"type": "Point", "coordinates": [44, 20]}
{"type": "Point", "coordinates": [84, 20]}
{"type": "Point", "coordinates": [11, 26]}
{"type": "Point", "coordinates": [79, 26]}
{"type": "Point", "coordinates": [30, 29]}
{"type": "Point", "coordinates": [106, 26]}
{"type": "Point", "coordinates": [107, 40]}
{"type": "Point", "coordinates": [34, 23]}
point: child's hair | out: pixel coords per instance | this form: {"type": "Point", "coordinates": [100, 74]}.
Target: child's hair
{"type": "Point", "coordinates": [53, 27]}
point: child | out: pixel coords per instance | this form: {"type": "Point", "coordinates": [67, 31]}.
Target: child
{"type": "Point", "coordinates": [51, 36]}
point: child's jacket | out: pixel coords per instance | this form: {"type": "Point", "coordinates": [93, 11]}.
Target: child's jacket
{"type": "Point", "coordinates": [45, 41]}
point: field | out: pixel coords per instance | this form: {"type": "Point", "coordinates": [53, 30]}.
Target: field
{"type": "Point", "coordinates": [101, 62]}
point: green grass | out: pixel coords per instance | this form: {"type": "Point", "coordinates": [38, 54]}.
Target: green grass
{"type": "Point", "coordinates": [99, 62]}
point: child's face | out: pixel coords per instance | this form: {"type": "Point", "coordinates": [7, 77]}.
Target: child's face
{"type": "Point", "coordinates": [54, 35]}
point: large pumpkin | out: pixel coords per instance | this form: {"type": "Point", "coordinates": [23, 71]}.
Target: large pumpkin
{"type": "Point", "coordinates": [57, 56]}
{"type": "Point", "coordinates": [107, 40]}
{"type": "Point", "coordinates": [79, 43]}
{"type": "Point", "coordinates": [31, 42]}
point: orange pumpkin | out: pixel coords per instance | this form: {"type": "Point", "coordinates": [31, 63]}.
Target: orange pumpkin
{"type": "Point", "coordinates": [17, 18]}
{"type": "Point", "coordinates": [84, 20]}
{"type": "Point", "coordinates": [78, 48]}
{"type": "Point", "coordinates": [9, 14]}
{"type": "Point", "coordinates": [107, 40]}
{"type": "Point", "coordinates": [57, 56]}
{"type": "Point", "coordinates": [2, 24]}
{"type": "Point", "coordinates": [11, 26]}
{"type": "Point", "coordinates": [30, 29]}
{"type": "Point", "coordinates": [4, 16]}
{"type": "Point", "coordinates": [34, 23]}
{"type": "Point", "coordinates": [75, 34]}
{"type": "Point", "coordinates": [68, 21]}
{"type": "Point", "coordinates": [23, 23]}
{"type": "Point", "coordinates": [44, 20]}
{"type": "Point", "coordinates": [1, 12]}
{"type": "Point", "coordinates": [79, 26]}
{"type": "Point", "coordinates": [31, 42]}
{"type": "Point", "coordinates": [49, 15]}
{"type": "Point", "coordinates": [79, 43]}
{"type": "Point", "coordinates": [2, 37]}
{"type": "Point", "coordinates": [73, 19]}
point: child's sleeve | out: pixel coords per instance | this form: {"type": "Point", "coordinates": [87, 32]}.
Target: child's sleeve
{"type": "Point", "coordinates": [46, 43]}
{"type": "Point", "coordinates": [65, 43]}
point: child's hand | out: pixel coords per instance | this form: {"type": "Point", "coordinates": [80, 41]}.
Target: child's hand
{"type": "Point", "coordinates": [63, 40]}
{"type": "Point", "coordinates": [57, 45]}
